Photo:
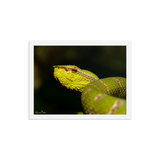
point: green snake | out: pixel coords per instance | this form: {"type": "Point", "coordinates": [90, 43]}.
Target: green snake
{"type": "Point", "coordinates": [98, 96]}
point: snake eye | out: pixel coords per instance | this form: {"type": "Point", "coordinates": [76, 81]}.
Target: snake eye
{"type": "Point", "coordinates": [74, 69]}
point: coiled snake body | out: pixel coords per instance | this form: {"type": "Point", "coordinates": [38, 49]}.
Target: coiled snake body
{"type": "Point", "coordinates": [98, 96]}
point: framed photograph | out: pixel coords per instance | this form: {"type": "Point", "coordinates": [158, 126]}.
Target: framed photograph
{"type": "Point", "coordinates": [58, 70]}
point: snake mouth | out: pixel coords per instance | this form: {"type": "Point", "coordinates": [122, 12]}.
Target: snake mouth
{"type": "Point", "coordinates": [60, 77]}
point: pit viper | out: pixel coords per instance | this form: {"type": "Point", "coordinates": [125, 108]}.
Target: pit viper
{"type": "Point", "coordinates": [98, 96]}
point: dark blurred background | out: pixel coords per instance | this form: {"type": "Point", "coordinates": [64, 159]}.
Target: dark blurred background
{"type": "Point", "coordinates": [49, 96]}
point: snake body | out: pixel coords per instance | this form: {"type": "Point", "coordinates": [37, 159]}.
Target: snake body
{"type": "Point", "coordinates": [98, 96]}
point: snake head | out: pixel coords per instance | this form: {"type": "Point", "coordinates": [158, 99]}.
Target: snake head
{"type": "Point", "coordinates": [72, 77]}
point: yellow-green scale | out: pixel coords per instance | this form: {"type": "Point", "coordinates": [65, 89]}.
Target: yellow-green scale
{"type": "Point", "coordinates": [94, 100]}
